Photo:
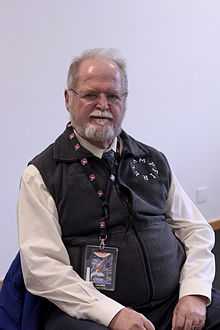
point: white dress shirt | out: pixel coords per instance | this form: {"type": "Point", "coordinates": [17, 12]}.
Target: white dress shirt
{"type": "Point", "coordinates": [45, 261]}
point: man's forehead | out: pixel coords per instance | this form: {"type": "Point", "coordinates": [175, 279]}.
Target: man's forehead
{"type": "Point", "coordinates": [98, 67]}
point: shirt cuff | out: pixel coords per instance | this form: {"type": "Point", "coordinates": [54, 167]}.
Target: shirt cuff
{"type": "Point", "coordinates": [196, 287]}
{"type": "Point", "coordinates": [104, 310]}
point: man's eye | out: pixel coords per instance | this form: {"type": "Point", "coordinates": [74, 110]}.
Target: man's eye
{"type": "Point", "coordinates": [113, 97]}
{"type": "Point", "coordinates": [90, 96]}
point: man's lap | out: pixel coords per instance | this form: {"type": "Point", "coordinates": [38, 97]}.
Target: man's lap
{"type": "Point", "coordinates": [58, 320]}
{"type": "Point", "coordinates": [213, 312]}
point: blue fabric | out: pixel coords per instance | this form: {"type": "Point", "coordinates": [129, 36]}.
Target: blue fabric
{"type": "Point", "coordinates": [19, 309]}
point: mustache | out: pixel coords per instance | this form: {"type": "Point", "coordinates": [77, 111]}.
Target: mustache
{"type": "Point", "coordinates": [101, 114]}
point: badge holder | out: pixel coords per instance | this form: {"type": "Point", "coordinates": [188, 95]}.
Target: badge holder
{"type": "Point", "coordinates": [100, 266]}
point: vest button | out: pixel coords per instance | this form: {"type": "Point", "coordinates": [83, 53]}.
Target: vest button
{"type": "Point", "coordinates": [84, 161]}
{"type": "Point", "coordinates": [100, 193]}
{"type": "Point", "coordinates": [77, 146]}
{"type": "Point", "coordinates": [71, 136]}
{"type": "Point", "coordinates": [92, 177]}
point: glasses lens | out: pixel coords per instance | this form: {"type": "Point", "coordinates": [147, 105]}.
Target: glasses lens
{"type": "Point", "coordinates": [91, 96]}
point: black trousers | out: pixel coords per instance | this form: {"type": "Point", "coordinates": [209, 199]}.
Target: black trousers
{"type": "Point", "coordinates": [159, 314]}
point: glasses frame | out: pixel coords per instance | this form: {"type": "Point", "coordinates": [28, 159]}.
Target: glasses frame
{"type": "Point", "coordinates": [120, 96]}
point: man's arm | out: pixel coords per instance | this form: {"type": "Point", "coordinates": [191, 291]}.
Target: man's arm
{"type": "Point", "coordinates": [199, 268]}
{"type": "Point", "coordinates": [198, 238]}
{"type": "Point", "coordinates": [45, 261]}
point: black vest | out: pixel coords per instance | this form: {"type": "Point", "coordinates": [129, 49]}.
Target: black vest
{"type": "Point", "coordinates": [150, 256]}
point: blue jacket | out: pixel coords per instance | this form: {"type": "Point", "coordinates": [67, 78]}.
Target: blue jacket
{"type": "Point", "coordinates": [19, 309]}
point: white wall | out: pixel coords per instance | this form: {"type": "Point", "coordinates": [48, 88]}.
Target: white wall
{"type": "Point", "coordinates": [172, 50]}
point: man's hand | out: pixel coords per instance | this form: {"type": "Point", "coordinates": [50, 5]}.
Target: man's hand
{"type": "Point", "coordinates": [190, 313]}
{"type": "Point", "coordinates": [128, 319]}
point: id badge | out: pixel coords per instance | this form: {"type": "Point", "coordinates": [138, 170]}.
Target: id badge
{"type": "Point", "coordinates": [100, 266]}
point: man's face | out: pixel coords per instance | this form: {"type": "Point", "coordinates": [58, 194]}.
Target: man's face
{"type": "Point", "coordinates": [97, 104]}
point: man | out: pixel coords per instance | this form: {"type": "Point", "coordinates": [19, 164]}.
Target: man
{"type": "Point", "coordinates": [112, 241]}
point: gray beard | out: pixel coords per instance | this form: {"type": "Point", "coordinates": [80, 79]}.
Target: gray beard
{"type": "Point", "coordinates": [102, 136]}
{"type": "Point", "coordinates": [99, 135]}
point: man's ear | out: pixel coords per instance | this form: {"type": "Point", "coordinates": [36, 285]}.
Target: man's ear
{"type": "Point", "coordinates": [67, 99]}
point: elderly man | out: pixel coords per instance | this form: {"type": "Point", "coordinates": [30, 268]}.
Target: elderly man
{"type": "Point", "coordinates": [107, 234]}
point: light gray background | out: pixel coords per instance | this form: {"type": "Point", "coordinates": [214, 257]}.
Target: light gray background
{"type": "Point", "coordinates": [172, 50]}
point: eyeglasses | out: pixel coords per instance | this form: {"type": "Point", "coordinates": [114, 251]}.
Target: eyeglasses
{"type": "Point", "coordinates": [92, 96]}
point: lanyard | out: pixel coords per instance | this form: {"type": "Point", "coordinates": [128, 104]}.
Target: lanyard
{"type": "Point", "coordinates": [104, 196]}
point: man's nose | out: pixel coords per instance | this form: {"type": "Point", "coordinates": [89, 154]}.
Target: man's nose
{"type": "Point", "coordinates": [102, 101]}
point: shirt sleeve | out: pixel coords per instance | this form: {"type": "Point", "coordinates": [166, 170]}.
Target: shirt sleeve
{"type": "Point", "coordinates": [198, 238]}
{"type": "Point", "coordinates": [45, 262]}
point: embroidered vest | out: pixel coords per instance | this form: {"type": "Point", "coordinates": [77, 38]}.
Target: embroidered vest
{"type": "Point", "coordinates": [150, 256]}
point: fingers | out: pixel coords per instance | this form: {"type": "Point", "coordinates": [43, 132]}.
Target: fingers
{"type": "Point", "coordinates": [178, 321]}
{"type": "Point", "coordinates": [188, 324]}
{"type": "Point", "coordinates": [128, 319]}
{"type": "Point", "coordinates": [148, 324]}
{"type": "Point", "coordinates": [184, 323]}
{"type": "Point", "coordinates": [189, 314]}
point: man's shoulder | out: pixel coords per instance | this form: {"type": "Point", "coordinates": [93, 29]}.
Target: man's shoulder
{"type": "Point", "coordinates": [46, 162]}
{"type": "Point", "coordinates": [48, 155]}
{"type": "Point", "coordinates": [44, 157]}
{"type": "Point", "coordinates": [140, 146]}
{"type": "Point", "coordinates": [142, 153]}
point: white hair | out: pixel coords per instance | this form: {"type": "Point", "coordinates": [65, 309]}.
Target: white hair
{"type": "Point", "coordinates": [106, 53]}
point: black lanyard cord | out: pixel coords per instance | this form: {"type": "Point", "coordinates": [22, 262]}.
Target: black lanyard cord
{"type": "Point", "coordinates": [105, 197]}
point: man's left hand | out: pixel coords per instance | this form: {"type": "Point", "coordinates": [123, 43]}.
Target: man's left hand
{"type": "Point", "coordinates": [190, 313]}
